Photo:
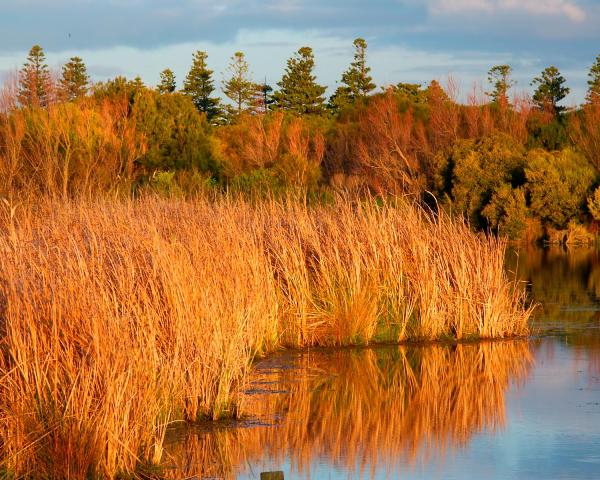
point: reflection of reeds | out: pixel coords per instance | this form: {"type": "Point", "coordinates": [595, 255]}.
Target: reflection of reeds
{"type": "Point", "coordinates": [366, 409]}
{"type": "Point", "coordinates": [118, 317]}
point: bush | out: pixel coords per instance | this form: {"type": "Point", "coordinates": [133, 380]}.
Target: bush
{"type": "Point", "coordinates": [474, 169]}
{"type": "Point", "coordinates": [558, 184]}
{"type": "Point", "coordinates": [507, 212]}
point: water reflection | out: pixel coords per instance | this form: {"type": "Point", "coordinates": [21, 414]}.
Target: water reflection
{"type": "Point", "coordinates": [362, 410]}
{"type": "Point", "coordinates": [566, 284]}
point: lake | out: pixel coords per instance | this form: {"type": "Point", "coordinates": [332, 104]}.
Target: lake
{"type": "Point", "coordinates": [526, 408]}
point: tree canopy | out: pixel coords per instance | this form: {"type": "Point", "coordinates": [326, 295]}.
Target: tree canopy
{"type": "Point", "coordinates": [34, 80]}
{"type": "Point", "coordinates": [499, 78]}
{"type": "Point", "coordinates": [74, 81]}
{"type": "Point", "coordinates": [356, 81]}
{"type": "Point", "coordinates": [550, 90]}
{"type": "Point", "coordinates": [593, 93]}
{"type": "Point", "coordinates": [167, 82]}
{"type": "Point", "coordinates": [199, 85]}
{"type": "Point", "coordinates": [298, 91]}
{"type": "Point", "coordinates": [239, 87]}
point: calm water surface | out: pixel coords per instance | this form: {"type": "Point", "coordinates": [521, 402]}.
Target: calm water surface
{"type": "Point", "coordinates": [491, 410]}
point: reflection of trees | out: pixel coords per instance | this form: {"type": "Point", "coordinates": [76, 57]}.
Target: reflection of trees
{"type": "Point", "coordinates": [566, 282]}
{"type": "Point", "coordinates": [363, 409]}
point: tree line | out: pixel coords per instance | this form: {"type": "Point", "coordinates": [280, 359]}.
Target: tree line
{"type": "Point", "coordinates": [521, 166]}
{"type": "Point", "coordinates": [298, 90]}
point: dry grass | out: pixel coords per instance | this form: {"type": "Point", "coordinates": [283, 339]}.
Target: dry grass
{"type": "Point", "coordinates": [119, 317]}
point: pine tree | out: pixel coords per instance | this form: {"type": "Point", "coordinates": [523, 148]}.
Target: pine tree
{"type": "Point", "coordinates": [74, 81]}
{"type": "Point", "coordinates": [239, 88]}
{"type": "Point", "coordinates": [167, 82]}
{"type": "Point", "coordinates": [550, 90]}
{"type": "Point", "coordinates": [356, 81]}
{"type": "Point", "coordinates": [593, 93]}
{"type": "Point", "coordinates": [263, 97]}
{"type": "Point", "coordinates": [34, 80]}
{"type": "Point", "coordinates": [199, 86]}
{"type": "Point", "coordinates": [298, 91]}
{"type": "Point", "coordinates": [499, 77]}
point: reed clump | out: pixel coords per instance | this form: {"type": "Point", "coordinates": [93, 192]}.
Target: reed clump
{"type": "Point", "coordinates": [119, 317]}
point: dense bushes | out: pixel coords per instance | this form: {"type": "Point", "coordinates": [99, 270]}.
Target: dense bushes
{"type": "Point", "coordinates": [558, 184]}
{"type": "Point", "coordinates": [504, 167]}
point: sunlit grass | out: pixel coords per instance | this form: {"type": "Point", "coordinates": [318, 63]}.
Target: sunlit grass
{"type": "Point", "coordinates": [118, 317]}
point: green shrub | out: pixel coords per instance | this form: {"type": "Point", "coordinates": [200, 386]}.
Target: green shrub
{"type": "Point", "coordinates": [474, 169]}
{"type": "Point", "coordinates": [507, 211]}
{"type": "Point", "coordinates": [558, 184]}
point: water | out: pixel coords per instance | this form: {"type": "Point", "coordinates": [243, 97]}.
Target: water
{"type": "Point", "coordinates": [495, 410]}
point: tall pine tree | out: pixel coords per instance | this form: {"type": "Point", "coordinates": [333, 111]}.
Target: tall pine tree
{"type": "Point", "coordinates": [167, 82]}
{"type": "Point", "coordinates": [199, 86]}
{"type": "Point", "coordinates": [34, 80]}
{"type": "Point", "coordinates": [499, 78]}
{"type": "Point", "coordinates": [593, 93]}
{"type": "Point", "coordinates": [239, 87]}
{"type": "Point", "coordinates": [356, 81]}
{"type": "Point", "coordinates": [298, 92]}
{"type": "Point", "coordinates": [550, 90]}
{"type": "Point", "coordinates": [74, 81]}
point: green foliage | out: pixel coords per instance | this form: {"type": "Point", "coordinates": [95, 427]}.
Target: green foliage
{"type": "Point", "coordinates": [118, 87]}
{"type": "Point", "coordinates": [593, 93]}
{"type": "Point", "coordinates": [239, 87]}
{"type": "Point", "coordinates": [412, 92]}
{"type": "Point", "coordinates": [199, 86]}
{"type": "Point", "coordinates": [164, 183]}
{"type": "Point", "coordinates": [177, 136]}
{"type": "Point", "coordinates": [550, 90]}
{"type": "Point", "coordinates": [558, 184]}
{"type": "Point", "coordinates": [74, 81]}
{"type": "Point", "coordinates": [507, 211]}
{"type": "Point", "coordinates": [167, 82]}
{"type": "Point", "coordinates": [593, 204]}
{"type": "Point", "coordinates": [550, 134]}
{"type": "Point", "coordinates": [356, 81]}
{"type": "Point", "coordinates": [34, 80]}
{"type": "Point", "coordinates": [298, 91]}
{"type": "Point", "coordinates": [499, 77]}
{"type": "Point", "coordinates": [472, 171]}
{"type": "Point", "coordinates": [261, 181]}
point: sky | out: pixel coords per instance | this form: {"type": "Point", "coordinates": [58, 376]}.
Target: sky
{"type": "Point", "coordinates": [411, 41]}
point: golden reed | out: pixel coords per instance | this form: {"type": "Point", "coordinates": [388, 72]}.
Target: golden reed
{"type": "Point", "coordinates": [119, 317]}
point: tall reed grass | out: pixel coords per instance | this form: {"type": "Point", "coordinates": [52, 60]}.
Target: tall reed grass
{"type": "Point", "coordinates": [118, 317]}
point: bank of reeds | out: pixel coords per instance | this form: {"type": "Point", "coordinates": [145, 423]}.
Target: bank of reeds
{"type": "Point", "coordinates": [118, 317]}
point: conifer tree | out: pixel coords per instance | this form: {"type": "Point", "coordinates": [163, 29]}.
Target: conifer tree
{"type": "Point", "coordinates": [199, 86]}
{"type": "Point", "coordinates": [34, 80]}
{"type": "Point", "coordinates": [167, 82]}
{"type": "Point", "coordinates": [263, 97]}
{"type": "Point", "coordinates": [356, 81]}
{"type": "Point", "coordinates": [74, 81]}
{"type": "Point", "coordinates": [550, 90]}
{"type": "Point", "coordinates": [593, 93]}
{"type": "Point", "coordinates": [239, 87]}
{"type": "Point", "coordinates": [298, 92]}
{"type": "Point", "coordinates": [499, 77]}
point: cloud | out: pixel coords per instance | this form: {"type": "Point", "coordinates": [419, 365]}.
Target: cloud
{"type": "Point", "coordinates": [566, 8]}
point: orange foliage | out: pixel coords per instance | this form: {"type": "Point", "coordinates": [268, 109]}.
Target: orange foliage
{"type": "Point", "coordinates": [68, 149]}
